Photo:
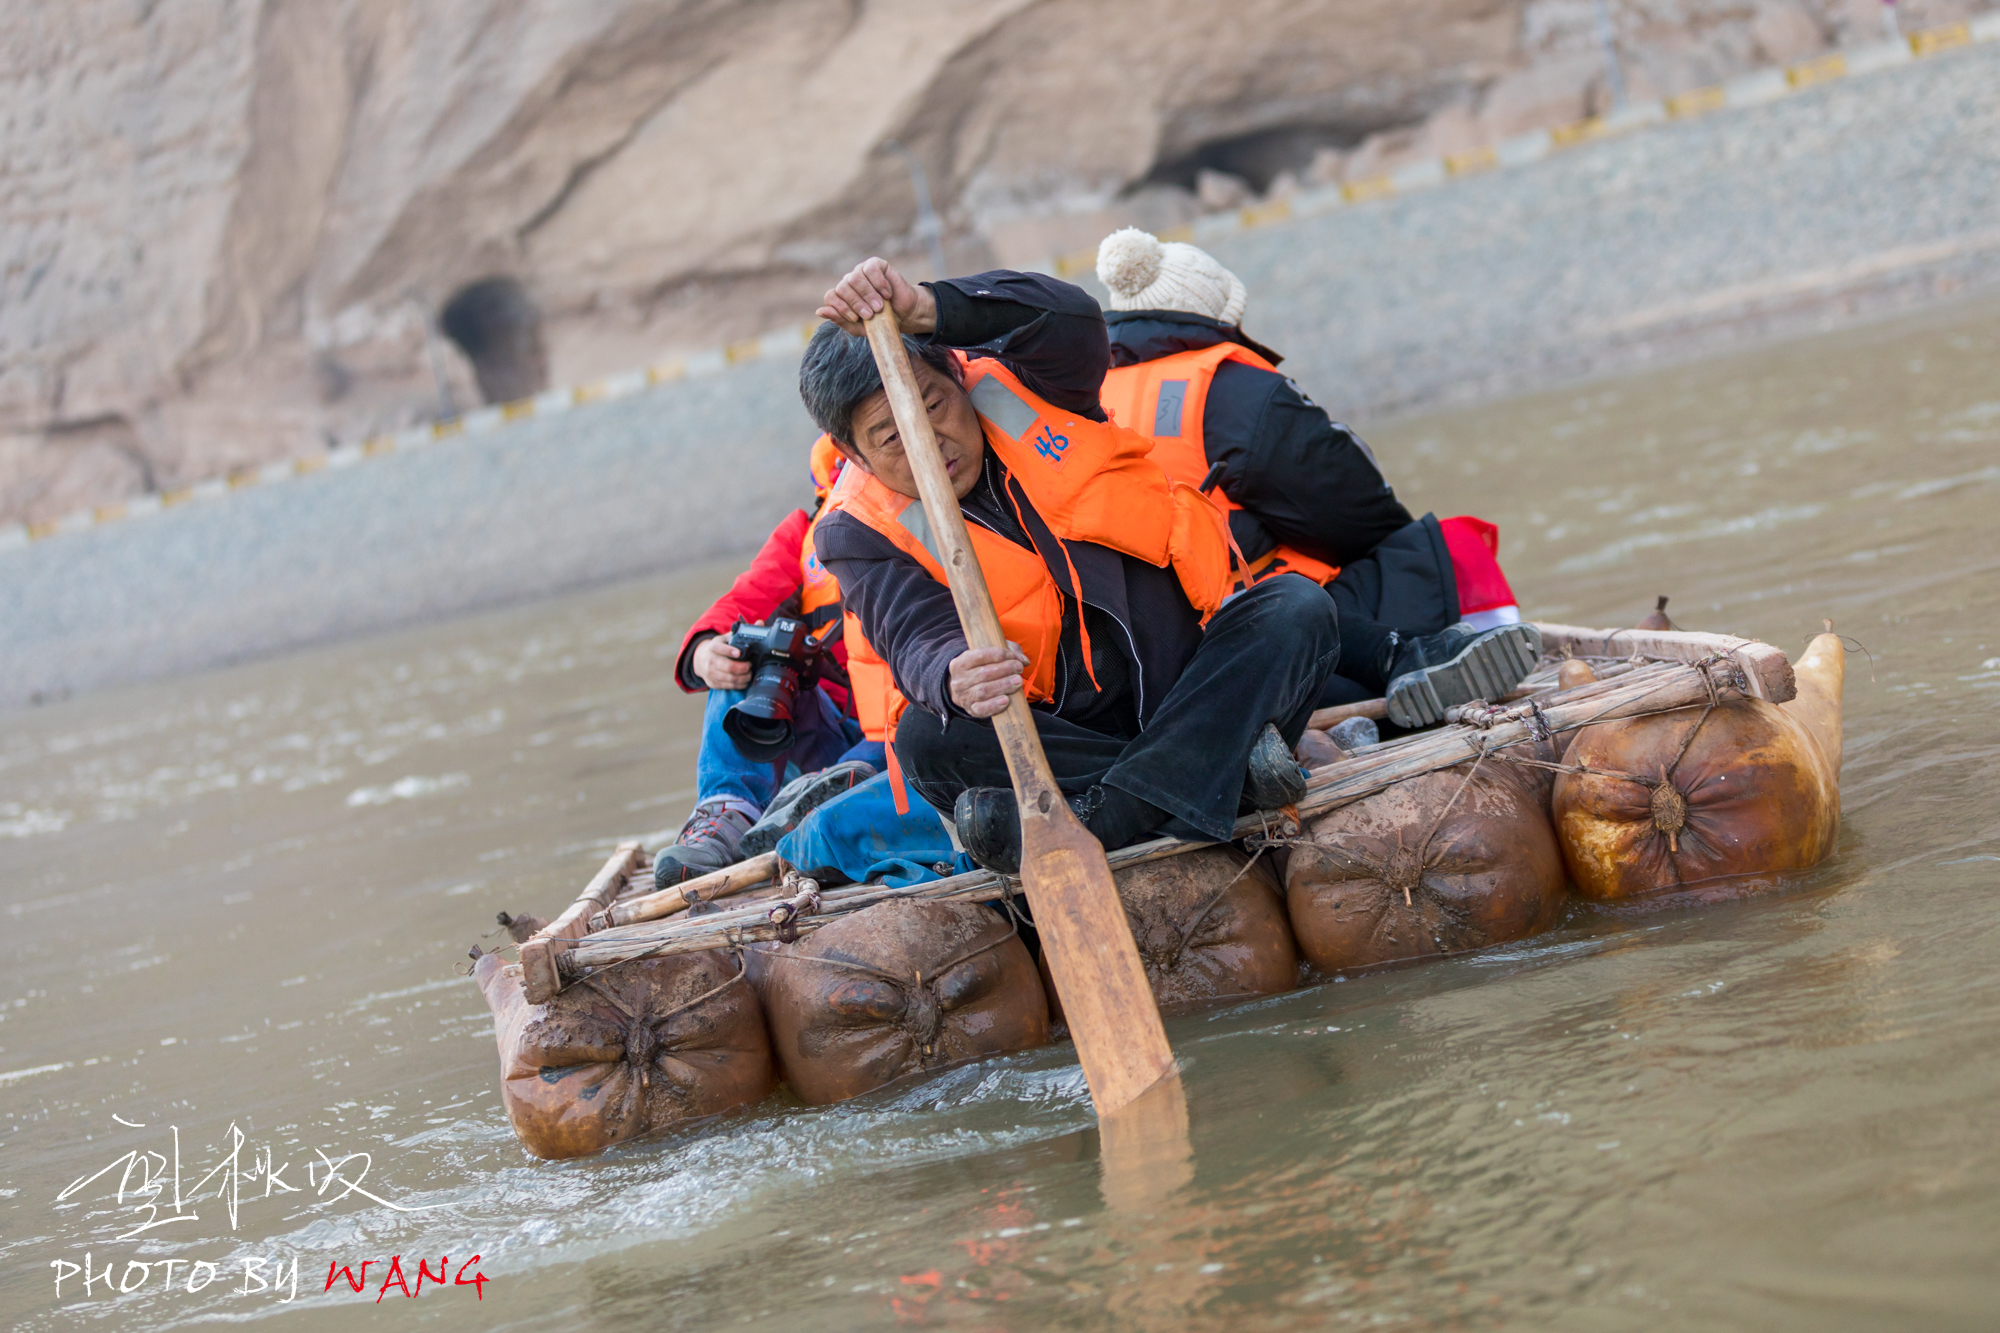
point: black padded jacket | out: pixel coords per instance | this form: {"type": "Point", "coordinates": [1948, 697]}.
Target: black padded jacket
{"type": "Point", "coordinates": [1301, 478]}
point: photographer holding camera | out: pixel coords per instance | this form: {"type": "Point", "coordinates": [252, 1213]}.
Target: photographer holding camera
{"type": "Point", "coordinates": [770, 657]}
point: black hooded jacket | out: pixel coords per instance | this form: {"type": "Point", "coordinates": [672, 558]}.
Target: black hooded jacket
{"type": "Point", "coordinates": [1302, 479]}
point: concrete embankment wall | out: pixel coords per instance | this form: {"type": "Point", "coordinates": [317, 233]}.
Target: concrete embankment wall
{"type": "Point", "coordinates": [1864, 193]}
{"type": "Point", "coordinates": [676, 475]}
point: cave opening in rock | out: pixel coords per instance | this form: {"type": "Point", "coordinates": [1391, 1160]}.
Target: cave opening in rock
{"type": "Point", "coordinates": [498, 327]}
{"type": "Point", "coordinates": [1260, 156]}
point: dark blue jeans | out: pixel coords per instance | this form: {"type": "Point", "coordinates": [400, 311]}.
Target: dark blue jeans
{"type": "Point", "coordinates": [824, 736]}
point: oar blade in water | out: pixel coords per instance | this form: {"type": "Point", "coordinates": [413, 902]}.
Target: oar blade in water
{"type": "Point", "coordinates": [1111, 1015]}
{"type": "Point", "coordinates": [1146, 1153]}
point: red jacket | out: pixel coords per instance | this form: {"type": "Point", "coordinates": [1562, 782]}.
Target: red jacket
{"type": "Point", "coordinates": [757, 593]}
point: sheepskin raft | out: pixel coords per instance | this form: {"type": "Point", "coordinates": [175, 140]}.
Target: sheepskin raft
{"type": "Point", "coordinates": [1639, 673]}
{"type": "Point", "coordinates": [1631, 763]}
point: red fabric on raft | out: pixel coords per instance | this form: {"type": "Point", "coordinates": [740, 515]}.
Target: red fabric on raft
{"type": "Point", "coordinates": [1475, 547]}
{"type": "Point", "coordinates": [758, 592]}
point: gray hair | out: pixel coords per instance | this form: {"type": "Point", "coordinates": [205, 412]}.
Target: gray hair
{"type": "Point", "coordinates": [838, 374]}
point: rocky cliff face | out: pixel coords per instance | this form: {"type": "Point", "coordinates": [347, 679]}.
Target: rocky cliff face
{"type": "Point", "coordinates": [232, 231]}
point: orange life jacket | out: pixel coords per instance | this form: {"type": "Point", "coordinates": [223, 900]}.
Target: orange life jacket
{"type": "Point", "coordinates": [825, 464]}
{"type": "Point", "coordinates": [819, 591]}
{"type": "Point", "coordinates": [1090, 481]}
{"type": "Point", "coordinates": [1164, 399]}
{"type": "Point", "coordinates": [876, 700]}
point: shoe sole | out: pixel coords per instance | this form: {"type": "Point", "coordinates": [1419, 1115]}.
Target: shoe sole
{"type": "Point", "coordinates": [763, 837]}
{"type": "Point", "coordinates": [1486, 668]}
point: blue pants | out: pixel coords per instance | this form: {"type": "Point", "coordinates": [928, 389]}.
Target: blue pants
{"type": "Point", "coordinates": [824, 736]}
{"type": "Point", "coordinates": [858, 837]}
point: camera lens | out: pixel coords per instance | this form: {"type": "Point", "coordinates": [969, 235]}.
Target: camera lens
{"type": "Point", "coordinates": [761, 725]}
{"type": "Point", "coordinates": [761, 740]}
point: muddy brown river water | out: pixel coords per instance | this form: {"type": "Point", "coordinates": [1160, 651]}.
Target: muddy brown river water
{"type": "Point", "coordinates": [234, 905]}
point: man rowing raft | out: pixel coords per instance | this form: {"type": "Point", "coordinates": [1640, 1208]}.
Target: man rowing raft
{"type": "Point", "coordinates": [1165, 701]}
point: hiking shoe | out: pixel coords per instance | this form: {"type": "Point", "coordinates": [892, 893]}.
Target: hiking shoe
{"type": "Point", "coordinates": [1455, 666]}
{"type": "Point", "coordinates": [799, 798]}
{"type": "Point", "coordinates": [1273, 779]}
{"type": "Point", "coordinates": [711, 839]}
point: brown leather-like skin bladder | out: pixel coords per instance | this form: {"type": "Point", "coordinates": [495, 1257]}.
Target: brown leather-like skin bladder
{"type": "Point", "coordinates": [643, 1048]}
{"type": "Point", "coordinates": [1753, 796]}
{"type": "Point", "coordinates": [1210, 927]}
{"type": "Point", "coordinates": [1374, 888]}
{"type": "Point", "coordinates": [896, 989]}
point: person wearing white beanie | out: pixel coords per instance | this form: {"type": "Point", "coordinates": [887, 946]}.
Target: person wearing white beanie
{"type": "Point", "coordinates": [1303, 492]}
{"type": "Point", "coordinates": [1144, 273]}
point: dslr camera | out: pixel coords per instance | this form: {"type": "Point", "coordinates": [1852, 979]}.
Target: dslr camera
{"type": "Point", "coordinates": [783, 658]}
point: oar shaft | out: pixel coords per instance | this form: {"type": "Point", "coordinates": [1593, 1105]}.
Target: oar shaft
{"type": "Point", "coordinates": [1027, 764]}
{"type": "Point", "coordinates": [1085, 938]}
{"type": "Point", "coordinates": [947, 522]}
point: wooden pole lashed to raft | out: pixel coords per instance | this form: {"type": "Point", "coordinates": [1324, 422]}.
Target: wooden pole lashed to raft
{"type": "Point", "coordinates": [1106, 997]}
{"type": "Point", "coordinates": [541, 957]}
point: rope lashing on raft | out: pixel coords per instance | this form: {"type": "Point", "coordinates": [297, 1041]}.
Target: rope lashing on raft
{"type": "Point", "coordinates": [1486, 716]}
{"type": "Point", "coordinates": [1186, 932]}
{"type": "Point", "coordinates": [804, 901]}
{"type": "Point", "coordinates": [920, 997]}
{"type": "Point", "coordinates": [644, 1040]}
{"type": "Point", "coordinates": [1668, 802]}
{"type": "Point", "coordinates": [1403, 868]}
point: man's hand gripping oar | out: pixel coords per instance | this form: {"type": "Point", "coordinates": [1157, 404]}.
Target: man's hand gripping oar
{"type": "Point", "coordinates": [1096, 966]}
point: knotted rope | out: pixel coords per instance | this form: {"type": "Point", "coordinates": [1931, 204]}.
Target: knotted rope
{"type": "Point", "coordinates": [1668, 803]}
{"type": "Point", "coordinates": [643, 1040]}
{"type": "Point", "coordinates": [1403, 868]}
{"type": "Point", "coordinates": [804, 901]}
{"type": "Point", "coordinates": [923, 1006]}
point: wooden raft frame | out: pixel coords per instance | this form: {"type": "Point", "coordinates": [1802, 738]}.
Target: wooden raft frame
{"type": "Point", "coordinates": [602, 929]}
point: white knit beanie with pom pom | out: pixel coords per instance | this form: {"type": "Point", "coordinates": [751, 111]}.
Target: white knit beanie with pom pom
{"type": "Point", "coordinates": [1144, 273]}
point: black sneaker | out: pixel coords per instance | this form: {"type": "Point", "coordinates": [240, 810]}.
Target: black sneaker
{"type": "Point", "coordinates": [989, 822]}
{"type": "Point", "coordinates": [1455, 666]}
{"type": "Point", "coordinates": [989, 828]}
{"type": "Point", "coordinates": [1273, 779]}
{"type": "Point", "coordinates": [799, 798]}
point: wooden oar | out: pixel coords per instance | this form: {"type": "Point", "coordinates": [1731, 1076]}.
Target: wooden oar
{"type": "Point", "coordinates": [1089, 946]}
